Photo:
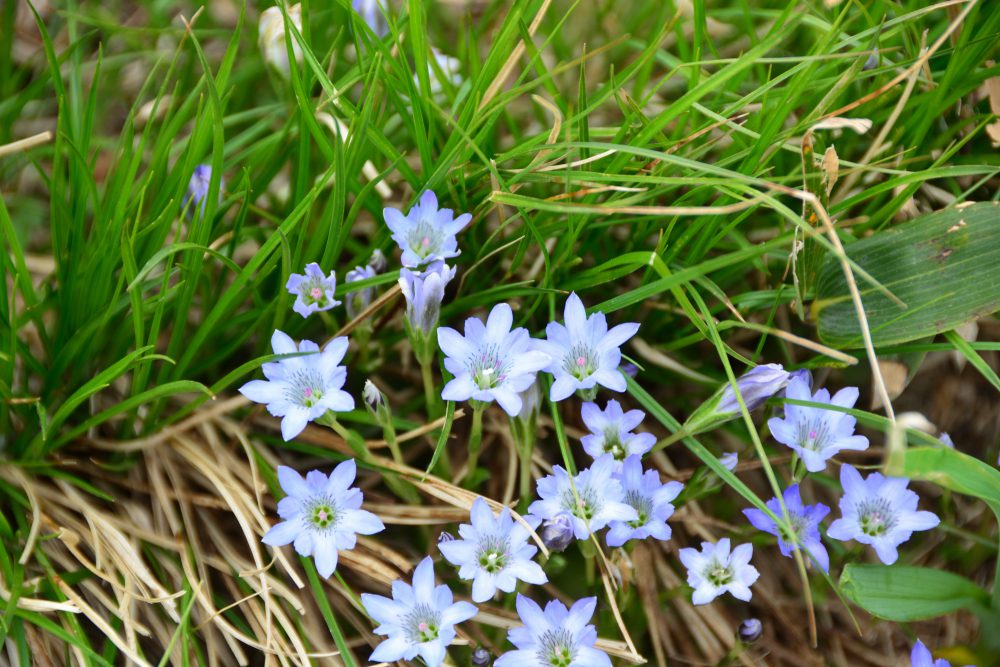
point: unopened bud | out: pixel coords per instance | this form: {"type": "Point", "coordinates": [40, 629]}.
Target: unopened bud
{"type": "Point", "coordinates": [445, 536]}
{"type": "Point", "coordinates": [197, 190]}
{"type": "Point", "coordinates": [272, 37]}
{"type": "Point", "coordinates": [373, 397]}
{"type": "Point", "coordinates": [557, 533]}
{"type": "Point", "coordinates": [750, 630]}
{"type": "Point", "coordinates": [756, 386]}
{"type": "Point", "coordinates": [377, 262]}
{"type": "Point", "coordinates": [481, 657]}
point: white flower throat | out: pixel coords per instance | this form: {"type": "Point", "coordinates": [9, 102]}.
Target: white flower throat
{"type": "Point", "coordinates": [305, 387]}
{"type": "Point", "coordinates": [580, 362]}
{"type": "Point", "coordinates": [555, 648]}
{"type": "Point", "coordinates": [422, 624]}
{"type": "Point", "coordinates": [875, 516]}
{"type": "Point", "coordinates": [488, 369]}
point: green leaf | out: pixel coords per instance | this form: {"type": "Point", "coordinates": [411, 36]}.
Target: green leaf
{"type": "Point", "coordinates": [952, 470]}
{"type": "Point", "coordinates": [904, 593]}
{"type": "Point", "coordinates": [944, 266]}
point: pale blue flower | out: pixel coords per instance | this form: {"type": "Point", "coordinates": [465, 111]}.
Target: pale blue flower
{"type": "Point", "coordinates": [418, 619]}
{"type": "Point", "coordinates": [611, 431]}
{"type": "Point", "coordinates": [373, 14]}
{"type": "Point", "coordinates": [651, 500]}
{"type": "Point", "coordinates": [557, 637]}
{"type": "Point", "coordinates": [817, 434]}
{"type": "Point", "coordinates": [490, 362]}
{"type": "Point", "coordinates": [322, 515]}
{"type": "Point", "coordinates": [197, 190]}
{"type": "Point", "coordinates": [594, 498]}
{"type": "Point", "coordinates": [426, 234]}
{"type": "Point", "coordinates": [714, 571]}
{"type": "Point", "coordinates": [313, 291]}
{"type": "Point", "coordinates": [921, 657]}
{"type": "Point", "coordinates": [493, 552]}
{"type": "Point", "coordinates": [584, 352]}
{"type": "Point", "coordinates": [450, 74]}
{"type": "Point", "coordinates": [805, 524]}
{"type": "Point", "coordinates": [879, 511]}
{"type": "Point", "coordinates": [304, 388]}
{"type": "Point", "coordinates": [730, 460]}
{"type": "Point", "coordinates": [424, 293]}
{"type": "Point", "coordinates": [756, 386]}
{"type": "Point", "coordinates": [358, 300]}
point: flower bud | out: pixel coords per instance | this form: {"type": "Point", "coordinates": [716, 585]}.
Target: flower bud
{"type": "Point", "coordinates": [481, 657]}
{"type": "Point", "coordinates": [750, 630]}
{"type": "Point", "coordinates": [729, 459]}
{"type": "Point", "coordinates": [445, 536]}
{"type": "Point", "coordinates": [377, 261]}
{"type": "Point", "coordinates": [424, 292]}
{"type": "Point", "coordinates": [557, 533]}
{"type": "Point", "coordinates": [756, 386]}
{"type": "Point", "coordinates": [803, 373]}
{"type": "Point", "coordinates": [373, 15]}
{"type": "Point", "coordinates": [373, 397]}
{"type": "Point", "coordinates": [355, 302]}
{"type": "Point", "coordinates": [272, 38]}
{"type": "Point", "coordinates": [197, 190]}
{"type": "Point", "coordinates": [630, 369]}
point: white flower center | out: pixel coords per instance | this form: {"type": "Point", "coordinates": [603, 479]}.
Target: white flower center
{"type": "Point", "coordinates": [305, 387]}
{"type": "Point", "coordinates": [585, 504]}
{"type": "Point", "coordinates": [581, 361]}
{"type": "Point", "coordinates": [555, 648]}
{"type": "Point", "coordinates": [493, 553]}
{"type": "Point", "coordinates": [424, 239]}
{"type": "Point", "coordinates": [422, 624]}
{"type": "Point", "coordinates": [322, 514]}
{"type": "Point", "coordinates": [313, 291]}
{"type": "Point", "coordinates": [643, 506]}
{"type": "Point", "coordinates": [718, 574]}
{"type": "Point", "coordinates": [613, 444]}
{"type": "Point", "coordinates": [876, 517]}
{"type": "Point", "coordinates": [813, 435]}
{"type": "Point", "coordinates": [487, 368]}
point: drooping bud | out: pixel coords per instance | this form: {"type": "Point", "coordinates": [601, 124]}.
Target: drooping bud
{"type": "Point", "coordinates": [481, 657]}
{"type": "Point", "coordinates": [750, 630]}
{"type": "Point", "coordinates": [557, 533]}
{"type": "Point", "coordinates": [373, 396]}
{"type": "Point", "coordinates": [756, 386]}
{"type": "Point", "coordinates": [355, 302]}
{"type": "Point", "coordinates": [272, 38]}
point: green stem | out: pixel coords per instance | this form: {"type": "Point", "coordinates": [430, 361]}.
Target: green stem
{"type": "Point", "coordinates": [475, 438]}
{"type": "Point", "coordinates": [430, 391]}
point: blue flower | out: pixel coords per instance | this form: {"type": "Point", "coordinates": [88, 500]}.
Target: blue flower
{"type": "Point", "coordinates": [197, 190]}
{"type": "Point", "coordinates": [611, 431]}
{"type": "Point", "coordinates": [805, 522]}
{"type": "Point", "coordinates": [756, 386]}
{"type": "Point", "coordinates": [921, 657]}
{"type": "Point", "coordinates": [817, 434]}
{"type": "Point", "coordinates": [313, 291]}
{"type": "Point", "coordinates": [584, 352]}
{"type": "Point", "coordinates": [557, 637]}
{"type": "Point", "coordinates": [730, 460]}
{"type": "Point", "coordinates": [321, 515]}
{"type": "Point", "coordinates": [418, 620]}
{"type": "Point", "coordinates": [450, 76]}
{"type": "Point", "coordinates": [373, 15]}
{"type": "Point", "coordinates": [424, 292]}
{"type": "Point", "coordinates": [651, 500]}
{"type": "Point", "coordinates": [879, 511]}
{"type": "Point", "coordinates": [360, 299]}
{"type": "Point", "coordinates": [425, 234]}
{"type": "Point", "coordinates": [493, 552]}
{"type": "Point", "coordinates": [490, 362]}
{"type": "Point", "coordinates": [557, 532]}
{"type": "Point", "coordinates": [714, 571]}
{"type": "Point", "coordinates": [302, 389]}
{"type": "Point", "coordinates": [594, 498]}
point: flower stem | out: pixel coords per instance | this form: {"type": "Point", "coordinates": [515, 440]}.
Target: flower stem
{"type": "Point", "coordinates": [475, 438]}
{"type": "Point", "coordinates": [430, 391]}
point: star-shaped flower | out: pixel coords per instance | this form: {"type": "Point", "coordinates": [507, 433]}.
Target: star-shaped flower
{"type": "Point", "coordinates": [714, 571]}
{"type": "Point", "coordinates": [556, 637]}
{"type": "Point", "coordinates": [805, 523]}
{"type": "Point", "coordinates": [651, 499]}
{"type": "Point", "coordinates": [426, 234]}
{"type": "Point", "coordinates": [611, 431]}
{"type": "Point", "coordinates": [313, 291]}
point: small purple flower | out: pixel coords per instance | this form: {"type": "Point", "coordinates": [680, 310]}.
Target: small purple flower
{"type": "Point", "coordinates": [594, 498]}
{"type": "Point", "coordinates": [946, 440]}
{"type": "Point", "coordinates": [921, 657]}
{"type": "Point", "coordinates": [756, 386]}
{"type": "Point", "coordinates": [817, 434]}
{"type": "Point", "coordinates": [805, 524]}
{"type": "Point", "coordinates": [730, 460]}
{"type": "Point", "coordinates": [557, 637]}
{"type": "Point", "coordinates": [197, 190]}
{"type": "Point", "coordinates": [418, 620]}
{"type": "Point", "coordinates": [493, 552]}
{"type": "Point", "coordinates": [584, 352]}
{"type": "Point", "coordinates": [490, 362]}
{"type": "Point", "coordinates": [714, 571]}
{"type": "Point", "coordinates": [302, 389]}
{"type": "Point", "coordinates": [360, 299]}
{"type": "Point", "coordinates": [424, 293]}
{"type": "Point", "coordinates": [611, 431]}
{"type": "Point", "coordinates": [557, 532]}
{"type": "Point", "coordinates": [373, 14]}
{"type": "Point", "coordinates": [313, 291]}
{"type": "Point", "coordinates": [426, 234]}
{"type": "Point", "coordinates": [322, 515]}
{"type": "Point", "coordinates": [879, 511]}
{"type": "Point", "coordinates": [651, 500]}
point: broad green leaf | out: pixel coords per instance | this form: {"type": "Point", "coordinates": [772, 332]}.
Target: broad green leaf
{"type": "Point", "coordinates": [952, 470]}
{"type": "Point", "coordinates": [903, 593]}
{"type": "Point", "coordinates": [944, 266]}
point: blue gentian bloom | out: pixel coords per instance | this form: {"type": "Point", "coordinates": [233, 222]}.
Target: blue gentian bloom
{"type": "Point", "coordinates": [817, 434]}
{"type": "Point", "coordinates": [879, 511]}
{"type": "Point", "coordinates": [556, 637]}
{"type": "Point", "coordinates": [611, 431]}
{"type": "Point", "coordinates": [418, 619]}
{"type": "Point", "coordinates": [715, 570]}
{"type": "Point", "coordinates": [424, 293]}
{"type": "Point", "coordinates": [313, 291]}
{"type": "Point", "coordinates": [322, 515]}
{"type": "Point", "coordinates": [373, 14]}
{"type": "Point", "coordinates": [594, 498]}
{"type": "Point", "coordinates": [304, 388]}
{"type": "Point", "coordinates": [493, 552]}
{"type": "Point", "coordinates": [584, 352]}
{"type": "Point", "coordinates": [805, 522]}
{"type": "Point", "coordinates": [360, 299]}
{"type": "Point", "coordinates": [491, 361]}
{"type": "Point", "coordinates": [756, 386]}
{"type": "Point", "coordinates": [426, 234]}
{"type": "Point", "coordinates": [197, 190]}
{"type": "Point", "coordinates": [921, 657]}
{"type": "Point", "coordinates": [651, 500]}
